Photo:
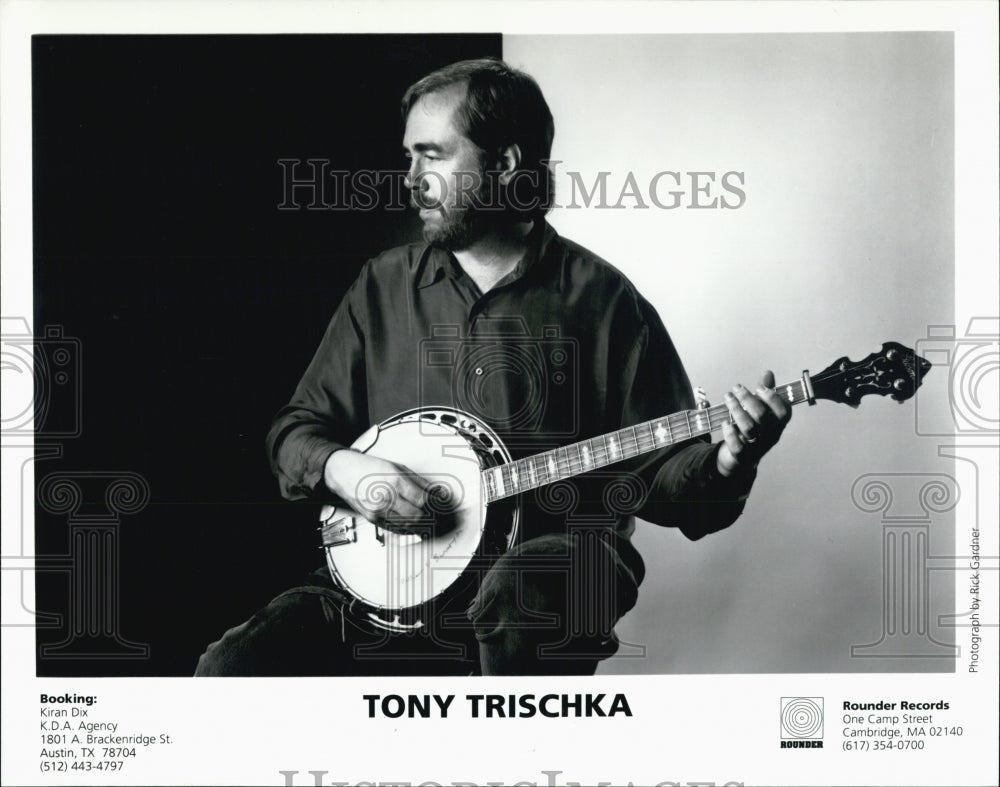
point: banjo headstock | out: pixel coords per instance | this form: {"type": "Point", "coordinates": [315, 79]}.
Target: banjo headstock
{"type": "Point", "coordinates": [895, 371]}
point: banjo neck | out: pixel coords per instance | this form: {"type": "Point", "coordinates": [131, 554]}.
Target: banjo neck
{"type": "Point", "coordinates": [894, 371]}
{"type": "Point", "coordinates": [532, 472]}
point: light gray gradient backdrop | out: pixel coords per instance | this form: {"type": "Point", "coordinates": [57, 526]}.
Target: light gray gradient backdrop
{"type": "Point", "coordinates": [845, 241]}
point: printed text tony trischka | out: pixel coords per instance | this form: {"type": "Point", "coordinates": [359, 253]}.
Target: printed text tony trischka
{"type": "Point", "coordinates": [496, 706]}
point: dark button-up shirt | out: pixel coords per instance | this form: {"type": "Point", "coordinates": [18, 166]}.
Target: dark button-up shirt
{"type": "Point", "coordinates": [560, 350]}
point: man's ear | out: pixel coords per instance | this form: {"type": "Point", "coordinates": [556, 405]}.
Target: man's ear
{"type": "Point", "coordinates": [508, 162]}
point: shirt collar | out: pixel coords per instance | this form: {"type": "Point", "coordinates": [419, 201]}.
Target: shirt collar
{"type": "Point", "coordinates": [439, 262]}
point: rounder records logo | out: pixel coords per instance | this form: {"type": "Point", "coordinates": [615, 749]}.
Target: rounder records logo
{"type": "Point", "coordinates": [801, 722]}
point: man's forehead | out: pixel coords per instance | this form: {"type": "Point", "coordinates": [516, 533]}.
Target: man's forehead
{"type": "Point", "coordinates": [435, 111]}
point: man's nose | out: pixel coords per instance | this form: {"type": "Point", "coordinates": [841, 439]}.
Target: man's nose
{"type": "Point", "coordinates": [413, 175]}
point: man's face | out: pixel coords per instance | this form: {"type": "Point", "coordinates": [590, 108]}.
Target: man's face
{"type": "Point", "coordinates": [446, 174]}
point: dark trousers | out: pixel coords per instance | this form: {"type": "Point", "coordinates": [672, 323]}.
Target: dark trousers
{"type": "Point", "coordinates": [547, 607]}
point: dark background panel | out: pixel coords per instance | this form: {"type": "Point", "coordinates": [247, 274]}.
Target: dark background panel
{"type": "Point", "coordinates": [197, 303]}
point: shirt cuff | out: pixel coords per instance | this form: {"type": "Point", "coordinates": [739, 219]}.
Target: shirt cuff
{"type": "Point", "coordinates": [734, 487]}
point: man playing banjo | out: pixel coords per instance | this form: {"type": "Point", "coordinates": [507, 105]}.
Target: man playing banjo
{"type": "Point", "coordinates": [536, 344]}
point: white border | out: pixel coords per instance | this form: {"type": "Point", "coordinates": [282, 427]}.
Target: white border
{"type": "Point", "coordinates": [229, 740]}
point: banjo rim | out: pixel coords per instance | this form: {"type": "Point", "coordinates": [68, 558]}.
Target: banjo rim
{"type": "Point", "coordinates": [490, 451]}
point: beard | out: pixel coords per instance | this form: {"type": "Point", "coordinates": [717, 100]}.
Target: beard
{"type": "Point", "coordinates": [456, 227]}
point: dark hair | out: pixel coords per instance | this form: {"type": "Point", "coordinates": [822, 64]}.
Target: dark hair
{"type": "Point", "coordinates": [502, 106]}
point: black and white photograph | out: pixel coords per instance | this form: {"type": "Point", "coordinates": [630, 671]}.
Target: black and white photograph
{"type": "Point", "coordinates": [590, 379]}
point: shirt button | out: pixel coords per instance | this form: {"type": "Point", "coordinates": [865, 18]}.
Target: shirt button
{"type": "Point", "coordinates": [479, 370]}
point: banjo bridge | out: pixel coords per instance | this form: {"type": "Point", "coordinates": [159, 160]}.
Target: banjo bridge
{"type": "Point", "coordinates": [342, 531]}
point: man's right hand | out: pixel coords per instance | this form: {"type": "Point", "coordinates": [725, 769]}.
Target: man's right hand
{"type": "Point", "coordinates": [385, 493]}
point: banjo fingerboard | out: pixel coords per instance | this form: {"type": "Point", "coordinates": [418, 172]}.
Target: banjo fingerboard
{"type": "Point", "coordinates": [531, 472]}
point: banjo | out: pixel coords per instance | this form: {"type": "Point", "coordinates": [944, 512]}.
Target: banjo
{"type": "Point", "coordinates": [397, 579]}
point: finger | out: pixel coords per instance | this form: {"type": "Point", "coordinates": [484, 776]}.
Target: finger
{"type": "Point", "coordinates": [413, 489]}
{"type": "Point", "coordinates": [414, 478]}
{"type": "Point", "coordinates": [404, 509]}
{"type": "Point", "coordinates": [378, 496]}
{"type": "Point", "coordinates": [753, 406]}
{"type": "Point", "coordinates": [777, 405]}
{"type": "Point", "coordinates": [766, 379]}
{"type": "Point", "coordinates": [732, 440]}
{"type": "Point", "coordinates": [741, 419]}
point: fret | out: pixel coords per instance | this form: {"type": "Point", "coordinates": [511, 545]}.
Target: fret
{"type": "Point", "coordinates": [599, 448]}
{"type": "Point", "coordinates": [556, 464]}
{"type": "Point", "coordinates": [532, 475]}
{"type": "Point", "coordinates": [628, 447]}
{"type": "Point", "coordinates": [662, 432]}
{"type": "Point", "coordinates": [630, 430]}
{"type": "Point", "coordinates": [574, 457]}
{"type": "Point", "coordinates": [676, 422]}
{"type": "Point", "coordinates": [514, 476]}
{"type": "Point", "coordinates": [566, 460]}
{"type": "Point", "coordinates": [687, 422]}
{"type": "Point", "coordinates": [700, 420]}
{"type": "Point", "coordinates": [652, 440]}
{"type": "Point", "coordinates": [614, 453]}
{"type": "Point", "coordinates": [588, 462]}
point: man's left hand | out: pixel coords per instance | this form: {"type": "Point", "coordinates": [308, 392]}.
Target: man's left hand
{"type": "Point", "coordinates": [759, 418]}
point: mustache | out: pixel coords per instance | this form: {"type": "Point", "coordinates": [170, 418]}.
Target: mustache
{"type": "Point", "coordinates": [420, 200]}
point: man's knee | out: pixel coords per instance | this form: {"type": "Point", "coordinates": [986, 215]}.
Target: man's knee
{"type": "Point", "coordinates": [289, 636]}
{"type": "Point", "coordinates": [574, 584]}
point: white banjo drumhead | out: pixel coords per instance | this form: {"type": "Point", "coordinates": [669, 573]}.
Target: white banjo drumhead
{"type": "Point", "coordinates": [397, 571]}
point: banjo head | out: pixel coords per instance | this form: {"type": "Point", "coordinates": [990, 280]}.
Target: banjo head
{"type": "Point", "coordinates": [396, 575]}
